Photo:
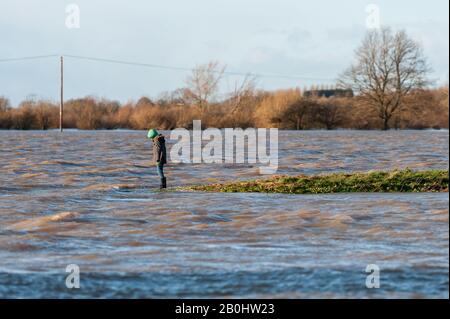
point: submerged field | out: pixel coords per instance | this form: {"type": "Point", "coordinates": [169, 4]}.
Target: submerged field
{"type": "Point", "coordinates": [371, 182]}
{"type": "Point", "coordinates": [92, 199]}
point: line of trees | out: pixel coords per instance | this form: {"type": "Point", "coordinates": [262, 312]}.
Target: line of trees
{"type": "Point", "coordinates": [388, 77]}
{"type": "Point", "coordinates": [285, 109]}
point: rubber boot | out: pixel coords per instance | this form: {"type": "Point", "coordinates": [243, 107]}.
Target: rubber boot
{"type": "Point", "coordinates": [163, 183]}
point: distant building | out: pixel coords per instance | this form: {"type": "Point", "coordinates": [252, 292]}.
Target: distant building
{"type": "Point", "coordinates": [329, 93]}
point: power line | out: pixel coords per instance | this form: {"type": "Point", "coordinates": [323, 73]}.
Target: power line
{"type": "Point", "coordinates": [168, 67]}
{"type": "Point", "coordinates": [29, 58]}
{"type": "Point", "coordinates": [175, 68]}
{"type": "Point", "coordinates": [128, 63]}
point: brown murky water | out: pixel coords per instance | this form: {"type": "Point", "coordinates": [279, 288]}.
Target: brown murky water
{"type": "Point", "coordinates": [90, 198]}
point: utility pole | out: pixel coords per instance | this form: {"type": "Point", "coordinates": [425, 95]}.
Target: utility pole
{"type": "Point", "coordinates": [61, 104]}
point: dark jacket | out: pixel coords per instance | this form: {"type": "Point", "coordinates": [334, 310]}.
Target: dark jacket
{"type": "Point", "coordinates": [159, 149]}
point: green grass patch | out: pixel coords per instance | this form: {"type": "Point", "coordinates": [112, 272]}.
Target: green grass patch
{"type": "Point", "coordinates": [370, 182]}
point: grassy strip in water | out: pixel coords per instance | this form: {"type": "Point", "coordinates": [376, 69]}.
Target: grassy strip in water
{"type": "Point", "coordinates": [370, 182]}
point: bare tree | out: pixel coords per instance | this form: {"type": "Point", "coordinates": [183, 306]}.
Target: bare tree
{"type": "Point", "coordinates": [388, 67]}
{"type": "Point", "coordinates": [242, 92]}
{"type": "Point", "coordinates": [296, 113]}
{"type": "Point", "coordinates": [203, 83]}
{"type": "Point", "coordinates": [238, 108]}
{"type": "Point", "coordinates": [144, 102]}
{"type": "Point", "coordinates": [176, 97]}
{"type": "Point", "coordinates": [44, 113]}
{"type": "Point", "coordinates": [4, 104]}
{"type": "Point", "coordinates": [328, 114]}
{"type": "Point", "coordinates": [25, 116]}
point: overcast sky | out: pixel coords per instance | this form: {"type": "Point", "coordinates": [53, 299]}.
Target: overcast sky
{"type": "Point", "coordinates": [311, 39]}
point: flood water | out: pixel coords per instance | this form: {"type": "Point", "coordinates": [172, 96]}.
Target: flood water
{"type": "Point", "coordinates": [91, 199]}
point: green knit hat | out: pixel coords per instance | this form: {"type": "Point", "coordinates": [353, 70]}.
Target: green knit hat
{"type": "Point", "coordinates": [152, 133]}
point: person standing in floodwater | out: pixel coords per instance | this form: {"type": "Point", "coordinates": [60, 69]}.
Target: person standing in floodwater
{"type": "Point", "coordinates": [159, 154]}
